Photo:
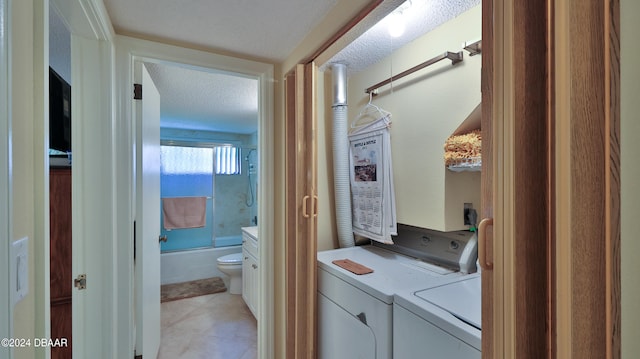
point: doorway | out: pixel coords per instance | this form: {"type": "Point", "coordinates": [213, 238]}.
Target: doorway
{"type": "Point", "coordinates": [130, 51]}
{"type": "Point", "coordinates": [60, 184]}
{"type": "Point", "coordinates": [209, 132]}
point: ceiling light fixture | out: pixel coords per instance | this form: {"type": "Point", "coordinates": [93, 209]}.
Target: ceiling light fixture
{"type": "Point", "coordinates": [396, 24]}
{"type": "Point", "coordinates": [396, 20]}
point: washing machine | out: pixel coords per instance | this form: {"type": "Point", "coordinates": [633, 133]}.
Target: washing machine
{"type": "Point", "coordinates": [356, 311]}
{"type": "Point", "coordinates": [439, 322]}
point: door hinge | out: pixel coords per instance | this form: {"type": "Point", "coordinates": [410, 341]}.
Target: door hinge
{"type": "Point", "coordinates": [80, 282]}
{"type": "Point", "coordinates": [137, 91]}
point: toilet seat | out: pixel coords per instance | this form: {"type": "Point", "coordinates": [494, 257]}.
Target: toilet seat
{"type": "Point", "coordinates": [231, 259]}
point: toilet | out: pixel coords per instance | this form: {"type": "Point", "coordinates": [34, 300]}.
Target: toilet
{"type": "Point", "coordinates": [231, 265]}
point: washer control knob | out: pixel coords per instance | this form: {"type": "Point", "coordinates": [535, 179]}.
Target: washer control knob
{"type": "Point", "coordinates": [454, 245]}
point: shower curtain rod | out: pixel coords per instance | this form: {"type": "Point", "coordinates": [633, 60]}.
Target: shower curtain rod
{"type": "Point", "coordinates": [455, 57]}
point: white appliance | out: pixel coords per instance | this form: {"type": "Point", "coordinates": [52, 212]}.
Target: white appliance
{"type": "Point", "coordinates": [439, 322]}
{"type": "Point", "coordinates": [356, 312]}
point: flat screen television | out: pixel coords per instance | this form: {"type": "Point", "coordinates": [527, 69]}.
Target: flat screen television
{"type": "Point", "coordinates": [59, 113]}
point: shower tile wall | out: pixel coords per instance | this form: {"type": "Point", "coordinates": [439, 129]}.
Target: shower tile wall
{"type": "Point", "coordinates": [231, 198]}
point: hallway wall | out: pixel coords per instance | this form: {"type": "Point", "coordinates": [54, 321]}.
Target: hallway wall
{"type": "Point", "coordinates": [23, 157]}
{"type": "Point", "coordinates": [630, 127]}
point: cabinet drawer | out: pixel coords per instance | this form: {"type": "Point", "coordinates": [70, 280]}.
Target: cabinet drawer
{"type": "Point", "coordinates": [250, 244]}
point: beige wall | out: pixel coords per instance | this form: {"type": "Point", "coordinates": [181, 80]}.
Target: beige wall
{"type": "Point", "coordinates": [630, 126]}
{"type": "Point", "coordinates": [427, 107]}
{"type": "Point", "coordinates": [22, 56]}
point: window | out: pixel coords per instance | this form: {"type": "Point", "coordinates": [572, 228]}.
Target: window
{"type": "Point", "coordinates": [227, 160]}
{"type": "Point", "coordinates": [187, 172]}
{"type": "Point", "coordinates": [179, 160]}
{"type": "Point", "coordinates": [211, 170]}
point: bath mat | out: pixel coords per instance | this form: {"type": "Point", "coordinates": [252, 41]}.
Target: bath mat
{"type": "Point", "coordinates": [194, 288]}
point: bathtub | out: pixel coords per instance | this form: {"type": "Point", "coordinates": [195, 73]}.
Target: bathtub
{"type": "Point", "coordinates": [183, 266]}
{"type": "Point", "coordinates": [228, 241]}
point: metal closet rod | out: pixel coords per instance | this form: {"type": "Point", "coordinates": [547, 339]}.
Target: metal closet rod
{"type": "Point", "coordinates": [455, 57]}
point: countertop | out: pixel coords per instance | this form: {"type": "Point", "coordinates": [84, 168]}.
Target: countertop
{"type": "Point", "coordinates": [252, 231]}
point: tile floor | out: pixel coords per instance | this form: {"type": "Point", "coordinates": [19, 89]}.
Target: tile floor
{"type": "Point", "coordinates": [208, 327]}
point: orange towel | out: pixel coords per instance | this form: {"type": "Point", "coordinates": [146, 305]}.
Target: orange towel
{"type": "Point", "coordinates": [184, 212]}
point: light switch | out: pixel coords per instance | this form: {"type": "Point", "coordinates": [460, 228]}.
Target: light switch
{"type": "Point", "coordinates": [20, 269]}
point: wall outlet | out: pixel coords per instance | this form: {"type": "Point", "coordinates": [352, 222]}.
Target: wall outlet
{"type": "Point", "coordinates": [20, 269]}
{"type": "Point", "coordinates": [467, 208]}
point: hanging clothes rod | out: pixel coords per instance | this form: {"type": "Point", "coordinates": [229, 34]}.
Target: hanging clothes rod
{"type": "Point", "coordinates": [455, 57]}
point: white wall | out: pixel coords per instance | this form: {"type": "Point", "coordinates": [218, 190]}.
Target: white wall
{"type": "Point", "coordinates": [630, 128]}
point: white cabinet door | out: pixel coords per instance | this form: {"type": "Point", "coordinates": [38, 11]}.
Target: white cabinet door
{"type": "Point", "coordinates": [250, 281]}
{"type": "Point", "coordinates": [250, 273]}
{"type": "Point", "coordinates": [253, 293]}
{"type": "Point", "coordinates": [246, 285]}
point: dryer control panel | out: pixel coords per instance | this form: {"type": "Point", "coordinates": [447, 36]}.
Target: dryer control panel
{"type": "Point", "coordinates": [456, 250]}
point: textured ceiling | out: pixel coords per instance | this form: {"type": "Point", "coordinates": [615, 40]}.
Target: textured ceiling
{"type": "Point", "coordinates": [198, 100]}
{"type": "Point", "coordinates": [267, 30]}
{"type": "Point", "coordinates": [420, 17]}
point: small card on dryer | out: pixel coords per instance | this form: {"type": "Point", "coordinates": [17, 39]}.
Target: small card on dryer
{"type": "Point", "coordinates": [352, 266]}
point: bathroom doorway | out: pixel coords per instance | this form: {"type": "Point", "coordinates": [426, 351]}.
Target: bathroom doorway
{"type": "Point", "coordinates": [209, 131]}
{"type": "Point", "coordinates": [132, 51]}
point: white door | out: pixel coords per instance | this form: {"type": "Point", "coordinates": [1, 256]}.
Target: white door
{"type": "Point", "coordinates": [147, 262]}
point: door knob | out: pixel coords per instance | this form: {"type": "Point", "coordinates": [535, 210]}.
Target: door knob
{"type": "Point", "coordinates": [163, 238]}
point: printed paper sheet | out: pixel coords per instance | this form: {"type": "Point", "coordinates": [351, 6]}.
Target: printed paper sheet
{"type": "Point", "coordinates": [373, 195]}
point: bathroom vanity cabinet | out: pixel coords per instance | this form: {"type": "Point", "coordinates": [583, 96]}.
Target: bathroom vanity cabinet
{"type": "Point", "coordinates": [250, 269]}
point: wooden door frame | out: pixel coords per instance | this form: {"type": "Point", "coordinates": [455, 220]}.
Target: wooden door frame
{"type": "Point", "coordinates": [301, 212]}
{"type": "Point", "coordinates": [586, 111]}
{"type": "Point", "coordinates": [539, 63]}
{"type": "Point", "coordinates": [515, 84]}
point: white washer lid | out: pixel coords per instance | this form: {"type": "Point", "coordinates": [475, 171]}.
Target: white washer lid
{"type": "Point", "coordinates": [233, 258]}
{"type": "Point", "coordinates": [461, 299]}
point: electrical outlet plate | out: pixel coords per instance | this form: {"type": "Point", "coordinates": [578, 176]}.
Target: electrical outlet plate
{"type": "Point", "coordinates": [19, 269]}
{"type": "Point", "coordinates": [467, 207]}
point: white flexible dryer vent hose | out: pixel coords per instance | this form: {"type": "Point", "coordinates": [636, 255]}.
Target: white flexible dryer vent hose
{"type": "Point", "coordinates": [341, 181]}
